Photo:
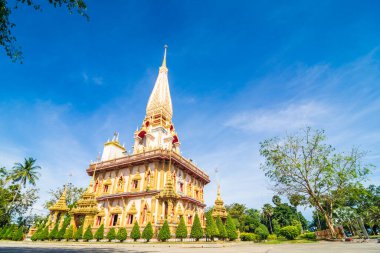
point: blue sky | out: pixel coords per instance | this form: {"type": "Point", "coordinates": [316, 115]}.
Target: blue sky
{"type": "Point", "coordinates": [239, 71]}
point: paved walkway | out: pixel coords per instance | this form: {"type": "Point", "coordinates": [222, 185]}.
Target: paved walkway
{"type": "Point", "coordinates": [320, 247]}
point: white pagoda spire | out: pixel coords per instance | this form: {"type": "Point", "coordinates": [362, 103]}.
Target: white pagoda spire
{"type": "Point", "coordinates": [160, 100]}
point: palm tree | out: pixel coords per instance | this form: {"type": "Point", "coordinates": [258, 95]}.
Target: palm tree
{"type": "Point", "coordinates": [268, 212]}
{"type": "Point", "coordinates": [24, 174]}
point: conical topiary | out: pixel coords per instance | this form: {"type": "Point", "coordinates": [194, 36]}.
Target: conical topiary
{"type": "Point", "coordinates": [36, 234]}
{"type": "Point", "coordinates": [121, 234]}
{"type": "Point", "coordinates": [211, 228]}
{"type": "Point", "coordinates": [69, 233]}
{"type": "Point", "coordinates": [62, 230]}
{"type": "Point", "coordinates": [99, 234]}
{"type": "Point", "coordinates": [196, 229]}
{"type": "Point", "coordinates": [135, 233]}
{"type": "Point", "coordinates": [231, 229]}
{"type": "Point", "coordinates": [53, 232]}
{"type": "Point", "coordinates": [221, 228]}
{"type": "Point", "coordinates": [111, 235]}
{"type": "Point", "coordinates": [181, 231]}
{"type": "Point", "coordinates": [148, 232]}
{"type": "Point", "coordinates": [44, 234]}
{"type": "Point", "coordinates": [18, 235]}
{"type": "Point", "coordinates": [164, 233]}
{"type": "Point", "coordinates": [88, 234]}
{"type": "Point", "coordinates": [79, 234]}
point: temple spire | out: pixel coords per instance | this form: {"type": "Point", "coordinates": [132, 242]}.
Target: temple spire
{"type": "Point", "coordinates": [160, 102]}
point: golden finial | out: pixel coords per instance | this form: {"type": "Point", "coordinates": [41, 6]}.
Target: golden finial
{"type": "Point", "coordinates": [164, 60]}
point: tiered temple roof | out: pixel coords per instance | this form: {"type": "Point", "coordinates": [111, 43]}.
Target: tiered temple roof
{"type": "Point", "coordinates": [219, 208]}
{"type": "Point", "coordinates": [60, 205]}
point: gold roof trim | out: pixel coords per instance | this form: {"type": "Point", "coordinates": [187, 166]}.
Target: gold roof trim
{"type": "Point", "coordinates": [133, 209]}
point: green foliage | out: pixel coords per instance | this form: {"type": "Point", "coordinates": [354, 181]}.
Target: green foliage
{"type": "Point", "coordinates": [211, 228]}
{"type": "Point", "coordinates": [262, 232]}
{"type": "Point", "coordinates": [62, 230]}
{"type": "Point", "coordinates": [53, 232]}
{"type": "Point", "coordinates": [111, 235]}
{"type": "Point", "coordinates": [79, 233]}
{"type": "Point", "coordinates": [36, 234]}
{"type": "Point", "coordinates": [249, 237]}
{"type": "Point", "coordinates": [148, 232]}
{"type": "Point", "coordinates": [18, 235]}
{"type": "Point", "coordinates": [44, 235]}
{"type": "Point", "coordinates": [181, 231]}
{"type": "Point", "coordinates": [73, 193]}
{"type": "Point", "coordinates": [88, 234]}
{"type": "Point", "coordinates": [272, 237]}
{"type": "Point", "coordinates": [122, 234]}
{"type": "Point", "coordinates": [304, 164]}
{"type": "Point", "coordinates": [99, 234]}
{"type": "Point", "coordinates": [289, 232]}
{"type": "Point", "coordinates": [8, 40]}
{"type": "Point", "coordinates": [246, 220]}
{"type": "Point", "coordinates": [276, 227]}
{"type": "Point", "coordinates": [196, 229]}
{"type": "Point", "coordinates": [231, 229]}
{"type": "Point", "coordinates": [135, 233]}
{"type": "Point", "coordinates": [164, 233]}
{"type": "Point", "coordinates": [221, 228]}
{"type": "Point", "coordinates": [297, 224]}
{"type": "Point", "coordinates": [309, 236]}
{"type": "Point", "coordinates": [69, 233]}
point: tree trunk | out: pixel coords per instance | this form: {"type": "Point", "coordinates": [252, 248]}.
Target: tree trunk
{"type": "Point", "coordinates": [330, 225]}
{"type": "Point", "coordinates": [270, 225]}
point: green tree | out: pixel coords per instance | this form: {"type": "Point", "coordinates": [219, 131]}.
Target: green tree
{"type": "Point", "coordinates": [262, 232]}
{"type": "Point", "coordinates": [181, 231]}
{"type": "Point", "coordinates": [121, 234]}
{"type": "Point", "coordinates": [111, 235]}
{"type": "Point", "coordinates": [8, 40]}
{"type": "Point", "coordinates": [196, 229]}
{"type": "Point", "coordinates": [221, 228]}
{"type": "Point", "coordinates": [211, 228]}
{"type": "Point", "coordinates": [53, 232]}
{"type": "Point", "coordinates": [44, 234]}
{"type": "Point", "coordinates": [135, 233]}
{"type": "Point", "coordinates": [276, 227]}
{"type": "Point", "coordinates": [231, 229]}
{"type": "Point", "coordinates": [18, 235]}
{"type": "Point", "coordinates": [276, 200]}
{"type": "Point", "coordinates": [164, 233]}
{"type": "Point", "coordinates": [268, 213]}
{"type": "Point", "coordinates": [79, 233]}
{"type": "Point", "coordinates": [62, 230]}
{"type": "Point", "coordinates": [99, 234]}
{"type": "Point", "coordinates": [304, 164]}
{"type": "Point", "coordinates": [88, 234]}
{"type": "Point", "coordinates": [289, 232]}
{"type": "Point", "coordinates": [148, 232]}
{"type": "Point", "coordinates": [69, 233]}
{"type": "Point", "coordinates": [36, 234]}
{"type": "Point", "coordinates": [73, 194]}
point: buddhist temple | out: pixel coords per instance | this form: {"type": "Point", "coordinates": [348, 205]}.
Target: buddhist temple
{"type": "Point", "coordinates": [153, 183]}
{"type": "Point", "coordinates": [58, 210]}
{"type": "Point", "coordinates": [219, 209]}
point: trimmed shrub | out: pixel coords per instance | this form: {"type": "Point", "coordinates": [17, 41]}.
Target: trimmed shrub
{"type": "Point", "coordinates": [3, 231]}
{"type": "Point", "coordinates": [309, 236]}
{"type": "Point", "coordinates": [272, 237]}
{"type": "Point", "coordinates": [135, 233]}
{"type": "Point", "coordinates": [289, 232]}
{"type": "Point", "coordinates": [249, 237]}
{"type": "Point", "coordinates": [44, 234]}
{"type": "Point", "coordinates": [88, 234]}
{"type": "Point", "coordinates": [36, 234]}
{"type": "Point", "coordinates": [121, 234]}
{"type": "Point", "coordinates": [69, 233]}
{"type": "Point", "coordinates": [99, 234]}
{"type": "Point", "coordinates": [9, 232]}
{"type": "Point", "coordinates": [196, 229]}
{"type": "Point", "coordinates": [211, 228]}
{"type": "Point", "coordinates": [181, 231]}
{"type": "Point", "coordinates": [231, 229]}
{"type": "Point", "coordinates": [148, 232]}
{"type": "Point", "coordinates": [79, 234]}
{"type": "Point", "coordinates": [262, 232]}
{"type": "Point", "coordinates": [221, 228]}
{"type": "Point", "coordinates": [53, 233]}
{"type": "Point", "coordinates": [297, 224]}
{"type": "Point", "coordinates": [164, 233]}
{"type": "Point", "coordinates": [18, 235]}
{"type": "Point", "coordinates": [62, 230]}
{"type": "Point", "coordinates": [111, 235]}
